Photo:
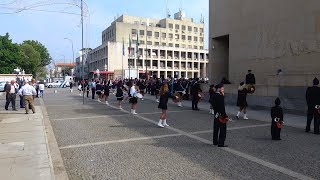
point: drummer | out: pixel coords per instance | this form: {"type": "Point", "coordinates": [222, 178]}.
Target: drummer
{"type": "Point", "coordinates": [180, 91]}
{"type": "Point", "coordinates": [250, 81]}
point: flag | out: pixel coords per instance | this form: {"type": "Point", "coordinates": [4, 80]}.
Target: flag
{"type": "Point", "coordinates": [137, 45]}
{"type": "Point", "coordinates": [123, 53]}
{"type": "Point", "coordinates": [129, 48]}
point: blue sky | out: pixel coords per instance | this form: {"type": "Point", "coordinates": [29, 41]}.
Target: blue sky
{"type": "Point", "coordinates": [50, 28]}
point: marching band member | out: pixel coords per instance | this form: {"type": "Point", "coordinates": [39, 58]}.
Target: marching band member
{"type": "Point", "coordinates": [180, 90]}
{"type": "Point", "coordinates": [277, 120]}
{"type": "Point", "coordinates": [99, 89]}
{"type": "Point", "coordinates": [119, 94]}
{"type": "Point", "coordinates": [220, 126]}
{"type": "Point", "coordinates": [133, 99]}
{"type": "Point", "coordinates": [106, 90]}
{"type": "Point", "coordinates": [196, 96]}
{"type": "Point", "coordinates": [163, 104]}
{"type": "Point", "coordinates": [313, 101]}
{"type": "Point", "coordinates": [242, 100]}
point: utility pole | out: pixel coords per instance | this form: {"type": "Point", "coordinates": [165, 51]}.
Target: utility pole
{"type": "Point", "coordinates": [82, 50]}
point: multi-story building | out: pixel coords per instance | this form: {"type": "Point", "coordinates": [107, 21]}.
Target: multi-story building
{"type": "Point", "coordinates": [167, 47]}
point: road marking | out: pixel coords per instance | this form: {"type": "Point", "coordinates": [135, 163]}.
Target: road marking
{"type": "Point", "coordinates": [233, 128]}
{"type": "Point", "coordinates": [114, 115]}
{"type": "Point", "coordinates": [237, 153]}
{"type": "Point", "coordinates": [119, 141]}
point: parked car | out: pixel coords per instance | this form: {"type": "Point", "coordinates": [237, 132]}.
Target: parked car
{"type": "Point", "coordinates": [54, 84]}
{"type": "Point", "coordinates": [2, 84]}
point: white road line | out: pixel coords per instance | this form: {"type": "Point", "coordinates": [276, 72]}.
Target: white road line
{"type": "Point", "coordinates": [114, 115]}
{"type": "Point", "coordinates": [232, 151]}
{"type": "Point", "coordinates": [238, 153]}
{"type": "Point", "coordinates": [119, 141]}
{"type": "Point", "coordinates": [233, 128]}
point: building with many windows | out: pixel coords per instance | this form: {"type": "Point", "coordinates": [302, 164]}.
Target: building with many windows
{"type": "Point", "coordinates": [161, 48]}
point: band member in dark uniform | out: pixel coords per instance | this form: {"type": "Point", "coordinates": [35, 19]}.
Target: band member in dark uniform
{"type": "Point", "coordinates": [313, 101]}
{"type": "Point", "coordinates": [196, 90]}
{"type": "Point", "coordinates": [163, 104]}
{"type": "Point", "coordinates": [219, 127]}
{"type": "Point", "coordinates": [276, 120]}
{"type": "Point", "coordinates": [106, 90]}
{"type": "Point", "coordinates": [99, 89]}
{"type": "Point", "coordinates": [211, 94]}
{"type": "Point", "coordinates": [119, 94]}
{"type": "Point", "coordinates": [242, 100]}
{"type": "Point", "coordinates": [250, 79]}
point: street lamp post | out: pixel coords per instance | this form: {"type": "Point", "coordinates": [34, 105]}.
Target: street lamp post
{"type": "Point", "coordinates": [72, 48]}
{"type": "Point", "coordinates": [82, 50]}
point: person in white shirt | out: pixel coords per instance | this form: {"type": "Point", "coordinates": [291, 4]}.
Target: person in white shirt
{"type": "Point", "coordinates": [41, 89]}
{"type": "Point", "coordinates": [133, 98]}
{"type": "Point", "coordinates": [28, 92]}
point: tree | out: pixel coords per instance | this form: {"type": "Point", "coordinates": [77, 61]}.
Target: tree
{"type": "Point", "coordinates": [30, 60]}
{"type": "Point", "coordinates": [44, 54]}
{"type": "Point", "coordinates": [10, 55]}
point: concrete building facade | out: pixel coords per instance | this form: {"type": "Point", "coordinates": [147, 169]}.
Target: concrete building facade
{"type": "Point", "coordinates": [267, 36]}
{"type": "Point", "coordinates": [167, 47]}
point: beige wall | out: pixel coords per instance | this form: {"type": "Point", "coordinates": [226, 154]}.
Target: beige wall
{"type": "Point", "coordinates": [265, 36]}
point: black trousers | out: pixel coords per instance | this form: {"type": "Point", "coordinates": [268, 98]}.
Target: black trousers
{"type": "Point", "coordinates": [195, 102]}
{"type": "Point", "coordinates": [313, 115]}
{"type": "Point", "coordinates": [275, 131]}
{"type": "Point", "coordinates": [93, 91]}
{"type": "Point", "coordinates": [88, 93]}
{"type": "Point", "coordinates": [219, 132]}
{"type": "Point", "coordinates": [10, 98]}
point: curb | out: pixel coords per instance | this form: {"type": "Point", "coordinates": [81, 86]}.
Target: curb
{"type": "Point", "coordinates": [59, 170]}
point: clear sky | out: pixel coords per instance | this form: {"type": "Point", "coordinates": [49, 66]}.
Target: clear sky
{"type": "Point", "coordinates": [27, 19]}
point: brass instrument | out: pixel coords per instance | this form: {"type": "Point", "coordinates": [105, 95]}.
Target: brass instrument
{"type": "Point", "coordinates": [317, 108]}
{"type": "Point", "coordinates": [279, 122]}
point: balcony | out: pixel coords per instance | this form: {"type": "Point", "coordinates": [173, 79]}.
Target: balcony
{"type": "Point", "coordinates": [169, 67]}
{"type": "Point", "coordinates": [169, 57]}
{"type": "Point", "coordinates": [176, 57]}
{"type": "Point", "coordinates": [162, 67]}
{"type": "Point", "coordinates": [183, 68]}
{"type": "Point", "coordinates": [176, 67]}
{"type": "Point", "coordinates": [154, 57]}
{"type": "Point", "coordinates": [162, 57]}
{"type": "Point", "coordinates": [154, 67]}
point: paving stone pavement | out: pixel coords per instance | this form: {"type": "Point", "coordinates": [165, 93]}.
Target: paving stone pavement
{"type": "Point", "coordinates": [99, 141]}
{"type": "Point", "coordinates": [24, 150]}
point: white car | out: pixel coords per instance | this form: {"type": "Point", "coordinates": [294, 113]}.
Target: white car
{"type": "Point", "coordinates": [54, 84]}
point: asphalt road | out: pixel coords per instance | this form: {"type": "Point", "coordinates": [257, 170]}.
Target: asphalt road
{"type": "Point", "coordinates": [102, 142]}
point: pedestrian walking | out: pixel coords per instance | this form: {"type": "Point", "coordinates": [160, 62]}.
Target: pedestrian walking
{"type": "Point", "coordinates": [242, 100]}
{"type": "Point", "coordinates": [276, 120]}
{"type": "Point", "coordinates": [28, 92]}
{"type": "Point", "coordinates": [220, 117]}
{"type": "Point", "coordinates": [163, 104]}
{"type": "Point", "coordinates": [11, 90]}
{"type": "Point", "coordinates": [313, 102]}
{"type": "Point", "coordinates": [41, 89]}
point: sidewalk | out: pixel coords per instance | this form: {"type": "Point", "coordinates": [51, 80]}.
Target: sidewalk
{"type": "Point", "coordinates": [24, 148]}
{"type": "Point", "coordinates": [292, 120]}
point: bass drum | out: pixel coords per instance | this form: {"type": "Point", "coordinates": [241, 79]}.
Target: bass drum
{"type": "Point", "coordinates": [251, 88]}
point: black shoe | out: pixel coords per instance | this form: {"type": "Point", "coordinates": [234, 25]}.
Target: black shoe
{"type": "Point", "coordinates": [222, 145]}
{"type": "Point", "coordinates": [197, 109]}
{"type": "Point", "coordinates": [316, 133]}
{"type": "Point", "coordinates": [14, 110]}
{"type": "Point", "coordinates": [6, 109]}
{"type": "Point", "coordinates": [26, 113]}
{"type": "Point", "coordinates": [215, 144]}
{"type": "Point", "coordinates": [307, 130]}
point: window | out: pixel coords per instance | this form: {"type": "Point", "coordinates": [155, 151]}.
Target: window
{"type": "Point", "coordinates": [195, 47]}
{"type": "Point", "coordinates": [201, 39]}
{"type": "Point", "coordinates": [156, 34]}
{"type": "Point", "coordinates": [149, 42]}
{"type": "Point", "coordinates": [141, 32]}
{"type": "Point", "coordinates": [183, 37]}
{"type": "Point", "coordinates": [149, 33]}
{"type": "Point", "coordinates": [133, 31]}
{"type": "Point", "coordinates": [164, 44]}
{"type": "Point", "coordinates": [141, 42]}
{"type": "Point", "coordinates": [177, 26]}
{"type": "Point", "coordinates": [195, 39]}
{"type": "Point", "coordinates": [134, 41]}
{"type": "Point", "coordinates": [170, 45]}
{"type": "Point", "coordinates": [189, 38]}
{"type": "Point", "coordinates": [177, 36]}
{"type": "Point", "coordinates": [201, 47]}
{"type": "Point", "coordinates": [156, 43]}
{"type": "Point", "coordinates": [189, 28]}
{"type": "Point", "coordinates": [171, 26]}
{"type": "Point", "coordinates": [201, 30]}
{"type": "Point", "coordinates": [183, 46]}
{"type": "Point", "coordinates": [195, 29]}
{"type": "Point", "coordinates": [177, 45]}
{"type": "Point", "coordinates": [163, 35]}
{"type": "Point", "coordinates": [190, 47]}
{"type": "Point", "coordinates": [170, 35]}
{"type": "Point", "coordinates": [183, 27]}
{"type": "Point", "coordinates": [136, 22]}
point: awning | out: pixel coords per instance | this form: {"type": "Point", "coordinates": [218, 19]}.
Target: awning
{"type": "Point", "coordinates": [103, 72]}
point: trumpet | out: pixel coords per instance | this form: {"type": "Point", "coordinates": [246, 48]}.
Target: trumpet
{"type": "Point", "coordinates": [276, 119]}
{"type": "Point", "coordinates": [317, 107]}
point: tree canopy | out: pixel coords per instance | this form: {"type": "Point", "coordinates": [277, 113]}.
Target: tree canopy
{"type": "Point", "coordinates": [31, 56]}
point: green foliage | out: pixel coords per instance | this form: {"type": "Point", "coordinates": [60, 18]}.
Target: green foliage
{"type": "Point", "coordinates": [32, 56]}
{"type": "Point", "coordinates": [44, 54]}
{"type": "Point", "coordinates": [30, 60]}
{"type": "Point", "coordinates": [10, 55]}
